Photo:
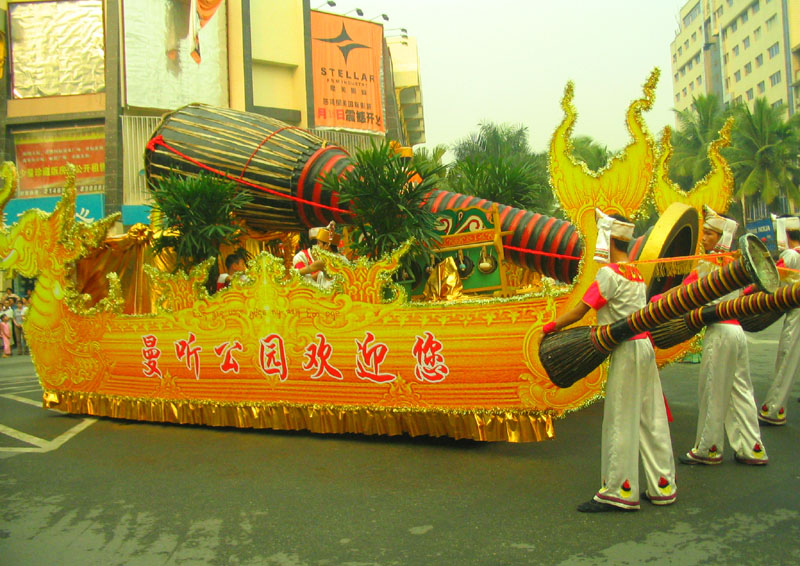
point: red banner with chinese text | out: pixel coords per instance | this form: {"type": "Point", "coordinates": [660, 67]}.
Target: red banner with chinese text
{"type": "Point", "coordinates": [42, 158]}
{"type": "Point", "coordinates": [347, 58]}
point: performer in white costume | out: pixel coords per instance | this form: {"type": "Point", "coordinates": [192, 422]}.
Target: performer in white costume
{"type": "Point", "coordinates": [634, 416]}
{"type": "Point", "coordinates": [309, 267]}
{"type": "Point", "coordinates": [787, 361]}
{"type": "Point", "coordinates": [726, 401]}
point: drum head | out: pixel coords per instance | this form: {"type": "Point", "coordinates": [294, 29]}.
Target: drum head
{"type": "Point", "coordinates": [674, 235]}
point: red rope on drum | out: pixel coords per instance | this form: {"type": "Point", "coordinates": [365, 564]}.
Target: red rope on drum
{"type": "Point", "coordinates": [265, 140]}
{"type": "Point", "coordinates": [159, 141]}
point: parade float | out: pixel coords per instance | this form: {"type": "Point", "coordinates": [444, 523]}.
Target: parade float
{"type": "Point", "coordinates": [274, 352]}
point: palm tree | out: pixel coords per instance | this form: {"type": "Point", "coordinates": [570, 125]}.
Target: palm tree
{"type": "Point", "coordinates": [594, 155]}
{"type": "Point", "coordinates": [698, 126]}
{"type": "Point", "coordinates": [496, 163]}
{"type": "Point", "coordinates": [492, 140]}
{"type": "Point", "coordinates": [763, 153]}
{"type": "Point", "coordinates": [387, 206]}
{"type": "Point", "coordinates": [197, 218]}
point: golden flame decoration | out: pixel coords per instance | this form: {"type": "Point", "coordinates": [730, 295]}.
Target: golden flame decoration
{"type": "Point", "coordinates": [715, 189]}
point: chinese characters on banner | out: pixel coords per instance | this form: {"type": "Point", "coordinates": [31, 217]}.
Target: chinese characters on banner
{"type": "Point", "coordinates": [347, 59]}
{"type": "Point", "coordinates": [42, 158]}
{"type": "Point", "coordinates": [369, 355]}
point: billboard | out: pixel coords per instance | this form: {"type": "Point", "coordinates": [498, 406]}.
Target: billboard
{"type": "Point", "coordinates": [176, 52]}
{"type": "Point", "coordinates": [42, 157]}
{"type": "Point", "coordinates": [347, 71]}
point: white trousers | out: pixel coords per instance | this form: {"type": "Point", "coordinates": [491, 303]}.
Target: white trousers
{"type": "Point", "coordinates": [787, 363]}
{"type": "Point", "coordinates": [725, 397]}
{"type": "Point", "coordinates": [635, 422]}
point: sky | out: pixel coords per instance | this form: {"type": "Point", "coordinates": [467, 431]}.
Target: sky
{"type": "Point", "coordinates": [508, 61]}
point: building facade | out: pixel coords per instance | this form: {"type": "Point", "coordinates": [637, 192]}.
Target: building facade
{"type": "Point", "coordinates": [738, 50]}
{"type": "Point", "coordinates": [87, 81]}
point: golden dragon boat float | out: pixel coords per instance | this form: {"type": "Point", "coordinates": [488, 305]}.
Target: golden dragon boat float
{"type": "Point", "coordinates": [274, 352]}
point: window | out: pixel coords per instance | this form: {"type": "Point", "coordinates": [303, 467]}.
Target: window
{"type": "Point", "coordinates": [689, 65]}
{"type": "Point", "coordinates": [730, 3]}
{"type": "Point", "coordinates": [680, 50]}
{"type": "Point", "coordinates": [691, 86]}
{"type": "Point", "coordinates": [737, 76]}
{"type": "Point", "coordinates": [744, 17]}
{"type": "Point", "coordinates": [678, 97]}
{"type": "Point", "coordinates": [725, 33]}
{"type": "Point", "coordinates": [727, 83]}
{"type": "Point", "coordinates": [749, 94]}
{"type": "Point", "coordinates": [676, 77]}
{"type": "Point", "coordinates": [760, 87]}
{"type": "Point", "coordinates": [42, 66]}
{"type": "Point", "coordinates": [773, 50]}
{"type": "Point", "coordinates": [746, 42]}
{"type": "Point", "coordinates": [772, 21]}
{"type": "Point", "coordinates": [757, 33]}
{"type": "Point", "coordinates": [738, 99]}
{"type": "Point", "coordinates": [683, 71]}
{"type": "Point", "coordinates": [725, 58]}
{"type": "Point", "coordinates": [756, 7]}
{"type": "Point", "coordinates": [778, 103]}
{"type": "Point", "coordinates": [734, 26]}
{"type": "Point", "coordinates": [684, 91]}
{"type": "Point", "coordinates": [686, 44]}
{"type": "Point", "coordinates": [775, 78]}
{"type": "Point", "coordinates": [759, 60]}
{"type": "Point", "coordinates": [674, 58]}
{"type": "Point", "coordinates": [699, 80]}
{"type": "Point", "coordinates": [694, 36]}
{"type": "Point", "coordinates": [747, 68]}
{"type": "Point", "coordinates": [735, 50]}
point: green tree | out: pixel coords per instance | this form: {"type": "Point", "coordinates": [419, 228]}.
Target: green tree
{"type": "Point", "coordinates": [698, 126]}
{"type": "Point", "coordinates": [197, 218]}
{"type": "Point", "coordinates": [433, 161]}
{"type": "Point", "coordinates": [496, 163]}
{"type": "Point", "coordinates": [387, 209]}
{"type": "Point", "coordinates": [763, 153]}
{"type": "Point", "coordinates": [594, 155]}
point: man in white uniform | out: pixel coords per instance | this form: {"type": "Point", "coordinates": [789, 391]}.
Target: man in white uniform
{"type": "Point", "coordinates": [634, 415]}
{"type": "Point", "coordinates": [309, 267]}
{"type": "Point", "coordinates": [725, 393]}
{"type": "Point", "coordinates": [787, 361]}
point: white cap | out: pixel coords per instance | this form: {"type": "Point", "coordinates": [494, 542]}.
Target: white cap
{"type": "Point", "coordinates": [725, 227]}
{"type": "Point", "coordinates": [608, 228]}
{"type": "Point", "coordinates": [781, 225]}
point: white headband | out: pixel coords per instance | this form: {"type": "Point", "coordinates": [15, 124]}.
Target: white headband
{"type": "Point", "coordinates": [721, 225]}
{"type": "Point", "coordinates": [781, 225]}
{"type": "Point", "coordinates": [607, 228]}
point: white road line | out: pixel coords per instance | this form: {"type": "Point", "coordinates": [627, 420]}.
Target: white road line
{"type": "Point", "coordinates": [22, 436]}
{"type": "Point", "coordinates": [21, 386]}
{"type": "Point", "coordinates": [757, 341]}
{"type": "Point", "coordinates": [23, 399]}
{"type": "Point", "coordinates": [42, 444]}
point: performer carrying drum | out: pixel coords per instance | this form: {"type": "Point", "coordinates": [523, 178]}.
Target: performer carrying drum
{"type": "Point", "coordinates": [787, 361]}
{"type": "Point", "coordinates": [634, 415]}
{"type": "Point", "coordinates": [725, 393]}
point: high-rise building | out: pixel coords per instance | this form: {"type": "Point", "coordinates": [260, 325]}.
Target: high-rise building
{"type": "Point", "coordinates": [739, 50]}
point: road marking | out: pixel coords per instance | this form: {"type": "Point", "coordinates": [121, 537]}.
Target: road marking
{"type": "Point", "coordinates": [26, 386]}
{"type": "Point", "coordinates": [757, 341]}
{"type": "Point", "coordinates": [41, 444]}
{"type": "Point", "coordinates": [22, 399]}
